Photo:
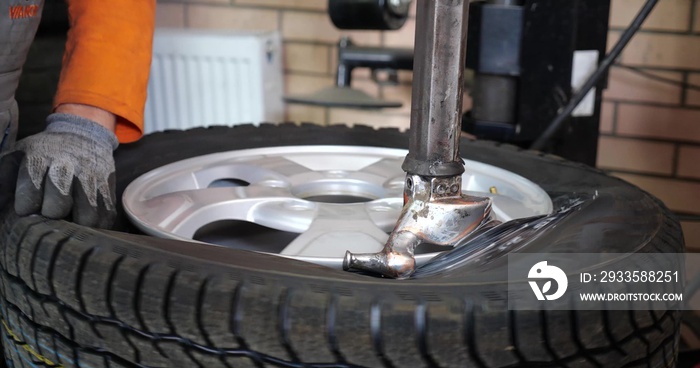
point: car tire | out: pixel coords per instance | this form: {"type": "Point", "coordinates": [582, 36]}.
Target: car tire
{"type": "Point", "coordinates": [79, 297]}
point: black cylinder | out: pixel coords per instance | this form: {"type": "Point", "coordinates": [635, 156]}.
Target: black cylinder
{"type": "Point", "coordinates": [369, 14]}
{"type": "Point", "coordinates": [494, 98]}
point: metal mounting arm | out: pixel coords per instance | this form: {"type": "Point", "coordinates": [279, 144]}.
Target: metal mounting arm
{"type": "Point", "coordinates": [435, 210]}
{"type": "Point", "coordinates": [436, 100]}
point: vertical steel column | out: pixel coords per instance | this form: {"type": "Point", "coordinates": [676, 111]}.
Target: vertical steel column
{"type": "Point", "coordinates": [435, 210]}
{"type": "Point", "coordinates": [436, 103]}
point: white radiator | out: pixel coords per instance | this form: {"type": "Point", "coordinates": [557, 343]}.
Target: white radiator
{"type": "Point", "coordinates": [202, 78]}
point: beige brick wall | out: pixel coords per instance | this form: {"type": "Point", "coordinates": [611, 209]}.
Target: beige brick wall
{"type": "Point", "coordinates": [650, 130]}
{"type": "Point", "coordinates": [310, 50]}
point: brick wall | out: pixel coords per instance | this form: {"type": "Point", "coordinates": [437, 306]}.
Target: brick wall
{"type": "Point", "coordinates": [650, 129]}
{"type": "Point", "coordinates": [310, 50]}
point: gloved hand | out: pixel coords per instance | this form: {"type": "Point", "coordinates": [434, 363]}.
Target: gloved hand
{"type": "Point", "coordinates": [68, 168]}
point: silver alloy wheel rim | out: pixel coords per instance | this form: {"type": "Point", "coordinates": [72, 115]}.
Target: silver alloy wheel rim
{"type": "Point", "coordinates": [176, 200]}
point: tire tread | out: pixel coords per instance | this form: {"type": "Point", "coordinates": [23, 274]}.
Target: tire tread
{"type": "Point", "coordinates": [77, 295]}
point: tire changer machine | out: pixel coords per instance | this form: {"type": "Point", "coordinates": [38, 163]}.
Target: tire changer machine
{"type": "Point", "coordinates": [528, 57]}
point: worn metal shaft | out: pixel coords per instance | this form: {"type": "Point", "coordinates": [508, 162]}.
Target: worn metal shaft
{"type": "Point", "coordinates": [436, 103]}
{"type": "Point", "coordinates": [435, 210]}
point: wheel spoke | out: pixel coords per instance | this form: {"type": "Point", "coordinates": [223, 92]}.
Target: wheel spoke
{"type": "Point", "coordinates": [282, 166]}
{"type": "Point", "coordinates": [388, 168]}
{"type": "Point", "coordinates": [252, 171]}
{"type": "Point", "coordinates": [184, 212]}
{"type": "Point", "coordinates": [336, 229]}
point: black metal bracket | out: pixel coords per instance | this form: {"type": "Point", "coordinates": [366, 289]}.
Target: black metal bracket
{"type": "Point", "coordinates": [523, 73]}
{"type": "Point", "coordinates": [351, 56]}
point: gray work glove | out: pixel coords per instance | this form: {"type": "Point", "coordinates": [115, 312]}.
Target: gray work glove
{"type": "Point", "coordinates": [68, 168]}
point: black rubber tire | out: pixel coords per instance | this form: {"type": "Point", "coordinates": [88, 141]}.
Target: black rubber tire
{"type": "Point", "coordinates": [73, 296]}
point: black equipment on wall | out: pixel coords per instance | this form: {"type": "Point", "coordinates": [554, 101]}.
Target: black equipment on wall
{"type": "Point", "coordinates": [522, 53]}
{"type": "Point", "coordinates": [369, 14]}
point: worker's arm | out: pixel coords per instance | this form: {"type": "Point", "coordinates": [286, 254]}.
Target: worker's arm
{"type": "Point", "coordinates": [107, 61]}
{"type": "Point", "coordinates": [68, 169]}
{"type": "Point", "coordinates": [92, 113]}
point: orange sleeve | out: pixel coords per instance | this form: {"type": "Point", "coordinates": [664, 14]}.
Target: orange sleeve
{"type": "Point", "coordinates": [107, 60]}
